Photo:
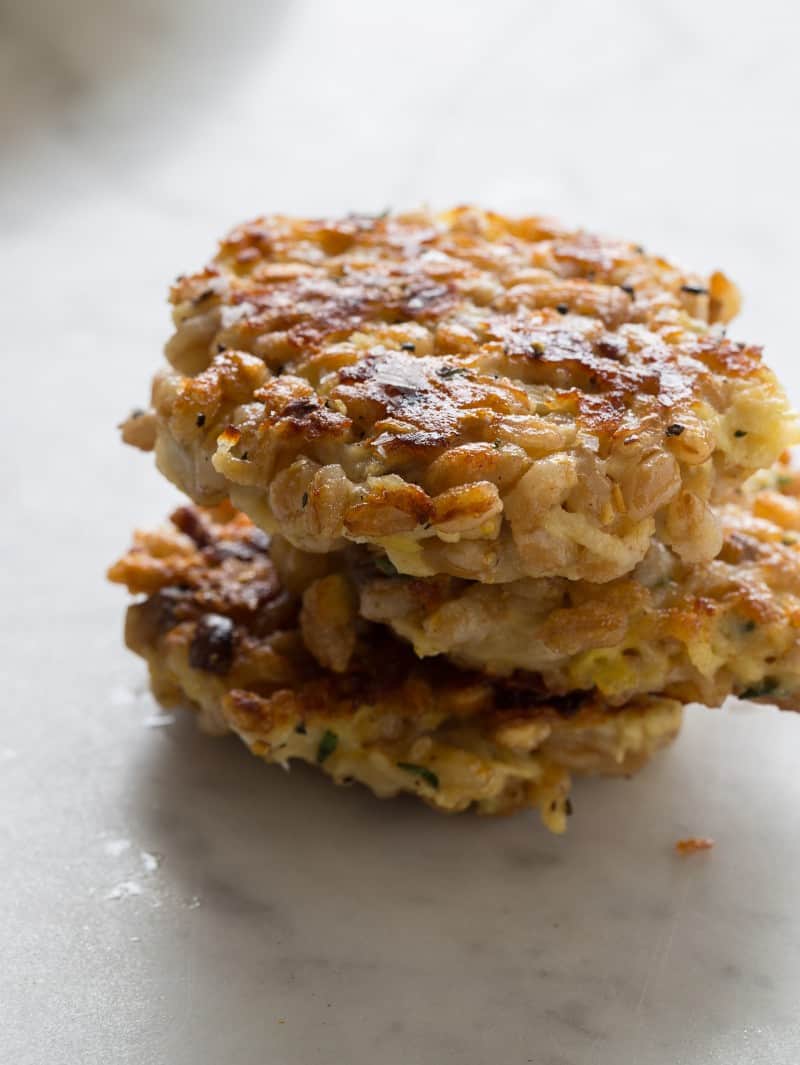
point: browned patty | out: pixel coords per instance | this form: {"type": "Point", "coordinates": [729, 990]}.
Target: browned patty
{"type": "Point", "coordinates": [221, 634]}
{"type": "Point", "coordinates": [479, 396]}
{"type": "Point", "coordinates": [696, 633]}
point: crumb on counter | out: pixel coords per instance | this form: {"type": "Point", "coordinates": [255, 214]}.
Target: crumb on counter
{"type": "Point", "coordinates": [693, 844]}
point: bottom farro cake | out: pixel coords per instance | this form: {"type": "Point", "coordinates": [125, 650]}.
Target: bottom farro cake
{"type": "Point", "coordinates": [222, 635]}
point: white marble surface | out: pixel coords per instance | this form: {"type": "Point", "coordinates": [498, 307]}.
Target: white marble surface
{"type": "Point", "coordinates": [164, 897]}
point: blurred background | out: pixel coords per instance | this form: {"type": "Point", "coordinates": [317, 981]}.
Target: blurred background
{"type": "Point", "coordinates": [132, 135]}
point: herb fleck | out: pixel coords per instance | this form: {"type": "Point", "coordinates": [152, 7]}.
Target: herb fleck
{"type": "Point", "coordinates": [451, 371]}
{"type": "Point", "coordinates": [629, 289]}
{"type": "Point", "coordinates": [767, 687]}
{"type": "Point", "coordinates": [408, 347]}
{"type": "Point", "coordinates": [675, 429]}
{"type": "Point", "coordinates": [301, 729]}
{"type": "Point", "coordinates": [562, 308]}
{"type": "Point", "coordinates": [200, 421]}
{"type": "Point", "coordinates": [327, 745]}
{"type": "Point", "coordinates": [304, 500]}
{"type": "Point", "coordinates": [740, 432]}
{"type": "Point", "coordinates": [420, 771]}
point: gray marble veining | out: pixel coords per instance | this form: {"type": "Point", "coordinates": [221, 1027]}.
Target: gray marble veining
{"type": "Point", "coordinates": [165, 897]}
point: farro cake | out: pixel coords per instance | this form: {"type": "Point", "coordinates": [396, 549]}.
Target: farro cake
{"type": "Point", "coordinates": [692, 632]}
{"type": "Point", "coordinates": [483, 397]}
{"type": "Point", "coordinates": [221, 635]}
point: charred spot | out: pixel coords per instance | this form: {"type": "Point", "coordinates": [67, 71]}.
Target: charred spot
{"type": "Point", "coordinates": [200, 421]}
{"type": "Point", "coordinates": [299, 408]}
{"type": "Point", "coordinates": [424, 296]}
{"type": "Point", "coordinates": [676, 429]}
{"type": "Point", "coordinates": [525, 692]}
{"type": "Point", "coordinates": [629, 289]}
{"type": "Point", "coordinates": [189, 521]}
{"type": "Point", "coordinates": [562, 308]}
{"type": "Point", "coordinates": [161, 612]}
{"type": "Point", "coordinates": [568, 705]}
{"type": "Point", "coordinates": [410, 444]}
{"type": "Point", "coordinates": [611, 347]}
{"type": "Point", "coordinates": [212, 646]}
{"type": "Point", "coordinates": [240, 549]}
{"type": "Point", "coordinates": [510, 696]}
{"type": "Point", "coordinates": [695, 290]}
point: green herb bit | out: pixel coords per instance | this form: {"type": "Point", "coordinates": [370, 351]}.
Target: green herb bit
{"type": "Point", "coordinates": [784, 481]}
{"type": "Point", "coordinates": [327, 745]}
{"type": "Point", "coordinates": [767, 687]}
{"type": "Point", "coordinates": [304, 500]}
{"type": "Point", "coordinates": [420, 771]}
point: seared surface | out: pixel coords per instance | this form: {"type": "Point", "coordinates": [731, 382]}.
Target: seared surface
{"type": "Point", "coordinates": [695, 633]}
{"type": "Point", "coordinates": [478, 396]}
{"type": "Point", "coordinates": [221, 634]}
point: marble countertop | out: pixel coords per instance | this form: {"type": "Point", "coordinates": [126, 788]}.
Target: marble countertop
{"type": "Point", "coordinates": [166, 898]}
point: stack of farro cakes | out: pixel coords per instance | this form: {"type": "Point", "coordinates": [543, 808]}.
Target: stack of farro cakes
{"type": "Point", "coordinates": [478, 503]}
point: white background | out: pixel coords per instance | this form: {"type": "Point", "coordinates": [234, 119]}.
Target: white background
{"type": "Point", "coordinates": [285, 922]}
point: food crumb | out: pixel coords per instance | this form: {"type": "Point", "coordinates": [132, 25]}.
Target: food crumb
{"type": "Point", "coordinates": [694, 844]}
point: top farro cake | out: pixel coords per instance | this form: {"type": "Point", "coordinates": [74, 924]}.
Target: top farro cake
{"type": "Point", "coordinates": [485, 397]}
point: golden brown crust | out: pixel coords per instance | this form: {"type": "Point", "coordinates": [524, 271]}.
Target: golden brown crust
{"type": "Point", "coordinates": [693, 632]}
{"type": "Point", "coordinates": [327, 369]}
{"type": "Point", "coordinates": [219, 633]}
